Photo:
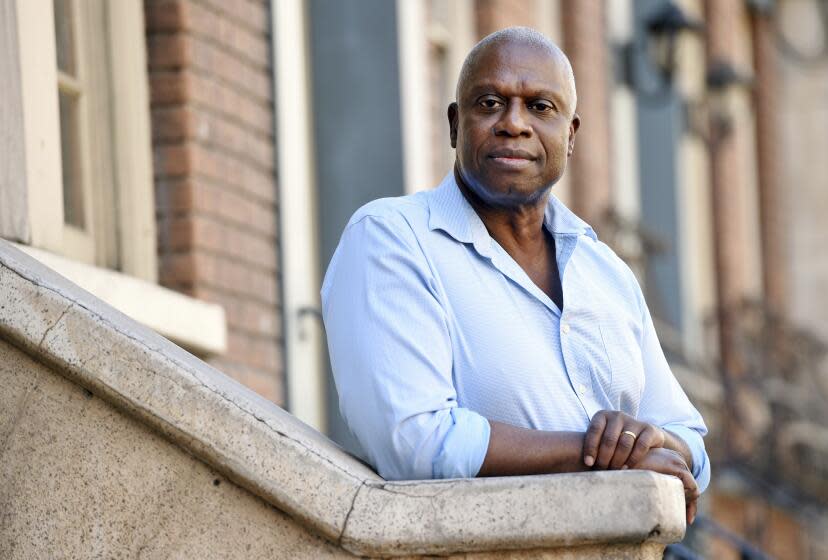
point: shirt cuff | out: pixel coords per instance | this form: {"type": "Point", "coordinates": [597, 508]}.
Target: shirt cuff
{"type": "Point", "coordinates": [701, 463]}
{"type": "Point", "coordinates": [464, 447]}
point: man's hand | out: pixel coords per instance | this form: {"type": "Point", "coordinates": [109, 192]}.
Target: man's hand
{"type": "Point", "coordinates": [609, 445]}
{"type": "Point", "coordinates": [667, 461]}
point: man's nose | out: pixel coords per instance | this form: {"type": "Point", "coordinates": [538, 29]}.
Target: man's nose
{"type": "Point", "coordinates": [513, 121]}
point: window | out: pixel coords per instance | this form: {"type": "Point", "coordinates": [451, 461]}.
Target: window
{"type": "Point", "coordinates": [76, 171]}
{"type": "Point", "coordinates": [85, 108]}
{"type": "Point", "coordinates": [87, 191]}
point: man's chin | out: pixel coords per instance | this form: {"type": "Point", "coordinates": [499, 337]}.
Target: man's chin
{"type": "Point", "coordinates": [506, 189]}
{"type": "Point", "coordinates": [513, 193]}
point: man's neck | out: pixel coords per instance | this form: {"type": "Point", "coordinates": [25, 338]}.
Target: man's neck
{"type": "Point", "coordinates": [519, 229]}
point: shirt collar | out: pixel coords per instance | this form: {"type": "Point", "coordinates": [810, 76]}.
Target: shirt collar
{"type": "Point", "coordinates": [560, 219]}
{"type": "Point", "coordinates": [451, 212]}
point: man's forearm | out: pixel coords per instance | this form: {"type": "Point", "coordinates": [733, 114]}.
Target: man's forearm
{"type": "Point", "coordinates": [521, 451]}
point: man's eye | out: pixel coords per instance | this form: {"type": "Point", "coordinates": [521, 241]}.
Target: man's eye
{"type": "Point", "coordinates": [541, 107]}
{"type": "Point", "coordinates": [490, 103]}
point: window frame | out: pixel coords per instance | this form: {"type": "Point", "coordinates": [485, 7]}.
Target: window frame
{"type": "Point", "coordinates": [130, 164]}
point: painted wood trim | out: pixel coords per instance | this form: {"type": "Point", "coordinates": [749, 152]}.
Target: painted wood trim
{"type": "Point", "coordinates": [414, 101]}
{"type": "Point", "coordinates": [305, 371]}
{"type": "Point", "coordinates": [41, 138]}
{"type": "Point", "coordinates": [198, 326]}
{"type": "Point", "coordinates": [133, 146]}
{"type": "Point", "coordinates": [14, 217]}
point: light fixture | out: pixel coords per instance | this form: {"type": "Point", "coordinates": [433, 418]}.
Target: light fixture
{"type": "Point", "coordinates": [717, 122]}
{"type": "Point", "coordinates": [664, 27]}
{"type": "Point", "coordinates": [648, 64]}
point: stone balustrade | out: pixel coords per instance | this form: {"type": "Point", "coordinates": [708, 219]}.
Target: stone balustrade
{"type": "Point", "coordinates": [114, 442]}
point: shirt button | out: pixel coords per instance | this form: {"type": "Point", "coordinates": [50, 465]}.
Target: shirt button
{"type": "Point", "coordinates": [582, 389]}
{"type": "Point", "coordinates": [565, 328]}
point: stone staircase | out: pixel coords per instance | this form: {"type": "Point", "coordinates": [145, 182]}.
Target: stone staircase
{"type": "Point", "coordinates": [116, 443]}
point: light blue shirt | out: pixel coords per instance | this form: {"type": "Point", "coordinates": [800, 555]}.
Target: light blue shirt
{"type": "Point", "coordinates": [433, 329]}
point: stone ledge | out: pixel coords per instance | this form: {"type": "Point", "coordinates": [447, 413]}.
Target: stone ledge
{"type": "Point", "coordinates": [291, 466]}
{"type": "Point", "coordinates": [551, 511]}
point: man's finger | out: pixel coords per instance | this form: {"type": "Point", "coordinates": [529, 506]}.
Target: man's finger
{"type": "Point", "coordinates": [691, 489]}
{"type": "Point", "coordinates": [626, 442]}
{"type": "Point", "coordinates": [609, 441]}
{"type": "Point", "coordinates": [643, 444]}
{"type": "Point", "coordinates": [593, 437]}
{"type": "Point", "coordinates": [691, 511]}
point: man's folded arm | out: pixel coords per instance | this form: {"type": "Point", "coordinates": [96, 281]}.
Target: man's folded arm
{"type": "Point", "coordinates": [391, 355]}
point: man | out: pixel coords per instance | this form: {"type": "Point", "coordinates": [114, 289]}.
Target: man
{"type": "Point", "coordinates": [481, 329]}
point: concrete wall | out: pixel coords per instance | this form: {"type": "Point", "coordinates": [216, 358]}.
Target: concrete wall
{"type": "Point", "coordinates": [80, 479]}
{"type": "Point", "coordinates": [116, 443]}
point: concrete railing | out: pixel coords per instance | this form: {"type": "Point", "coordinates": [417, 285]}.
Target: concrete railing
{"type": "Point", "coordinates": [117, 443]}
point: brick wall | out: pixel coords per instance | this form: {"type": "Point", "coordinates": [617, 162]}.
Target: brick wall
{"type": "Point", "coordinates": [497, 14]}
{"type": "Point", "coordinates": [584, 32]}
{"type": "Point", "coordinates": [213, 144]}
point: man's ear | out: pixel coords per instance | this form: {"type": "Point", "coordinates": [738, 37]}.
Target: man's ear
{"type": "Point", "coordinates": [452, 118]}
{"type": "Point", "coordinates": [573, 129]}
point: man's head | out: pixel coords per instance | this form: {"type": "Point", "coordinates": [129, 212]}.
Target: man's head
{"type": "Point", "coordinates": [514, 122]}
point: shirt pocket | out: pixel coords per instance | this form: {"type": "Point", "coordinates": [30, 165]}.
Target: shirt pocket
{"type": "Point", "coordinates": [621, 336]}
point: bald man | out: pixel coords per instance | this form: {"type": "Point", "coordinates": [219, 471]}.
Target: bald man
{"type": "Point", "coordinates": [482, 329]}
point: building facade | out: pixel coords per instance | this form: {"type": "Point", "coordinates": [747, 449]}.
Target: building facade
{"type": "Point", "coordinates": [193, 162]}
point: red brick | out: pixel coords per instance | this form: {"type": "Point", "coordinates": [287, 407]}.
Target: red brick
{"type": "Point", "coordinates": [165, 15]}
{"type": "Point", "coordinates": [177, 270]}
{"type": "Point", "coordinates": [166, 52]}
{"type": "Point", "coordinates": [498, 14]}
{"type": "Point", "coordinates": [229, 170]}
{"type": "Point", "coordinates": [233, 70]}
{"type": "Point", "coordinates": [174, 196]}
{"type": "Point", "coordinates": [172, 159]}
{"type": "Point", "coordinates": [255, 352]}
{"type": "Point", "coordinates": [170, 87]}
{"type": "Point", "coordinates": [253, 16]}
{"type": "Point", "coordinates": [210, 93]}
{"type": "Point", "coordinates": [244, 315]}
{"type": "Point", "coordinates": [181, 197]}
{"type": "Point", "coordinates": [267, 384]}
{"type": "Point", "coordinates": [214, 150]}
{"type": "Point", "coordinates": [172, 123]}
{"type": "Point", "coordinates": [201, 232]}
{"type": "Point", "coordinates": [233, 206]}
{"type": "Point", "coordinates": [183, 122]}
{"type": "Point", "coordinates": [219, 273]}
{"type": "Point", "coordinates": [216, 131]}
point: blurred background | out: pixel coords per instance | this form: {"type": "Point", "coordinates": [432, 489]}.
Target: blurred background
{"type": "Point", "coordinates": [193, 162]}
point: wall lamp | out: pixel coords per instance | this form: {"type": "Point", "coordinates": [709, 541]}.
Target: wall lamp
{"type": "Point", "coordinates": [713, 121]}
{"type": "Point", "coordinates": [648, 63]}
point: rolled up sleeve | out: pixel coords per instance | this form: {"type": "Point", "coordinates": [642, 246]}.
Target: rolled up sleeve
{"type": "Point", "coordinates": [391, 356]}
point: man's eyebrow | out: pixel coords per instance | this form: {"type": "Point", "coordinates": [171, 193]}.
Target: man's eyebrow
{"type": "Point", "coordinates": [541, 91]}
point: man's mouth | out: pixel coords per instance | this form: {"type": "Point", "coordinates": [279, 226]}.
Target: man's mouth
{"type": "Point", "coordinates": [512, 158]}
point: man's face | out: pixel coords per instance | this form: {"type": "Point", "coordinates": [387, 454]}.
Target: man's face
{"type": "Point", "coordinates": [514, 127]}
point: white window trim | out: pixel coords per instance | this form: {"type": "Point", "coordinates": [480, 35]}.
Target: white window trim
{"type": "Point", "coordinates": [305, 367]}
{"type": "Point", "coordinates": [132, 151]}
{"type": "Point", "coordinates": [41, 123]}
{"type": "Point", "coordinates": [411, 29]}
{"type": "Point", "coordinates": [198, 326]}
